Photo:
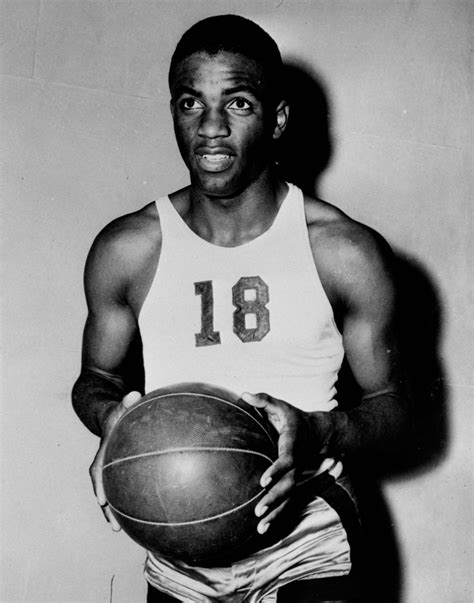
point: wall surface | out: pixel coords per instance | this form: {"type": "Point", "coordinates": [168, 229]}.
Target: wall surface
{"type": "Point", "coordinates": [86, 136]}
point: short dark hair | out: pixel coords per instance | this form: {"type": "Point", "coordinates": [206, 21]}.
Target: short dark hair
{"type": "Point", "coordinates": [236, 34]}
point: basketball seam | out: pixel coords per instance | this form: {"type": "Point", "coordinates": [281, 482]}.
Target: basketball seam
{"type": "Point", "coordinates": [185, 449]}
{"type": "Point", "coordinates": [187, 523]}
{"type": "Point", "coordinates": [205, 396]}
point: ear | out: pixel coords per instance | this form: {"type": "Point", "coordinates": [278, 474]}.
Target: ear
{"type": "Point", "coordinates": [282, 113]}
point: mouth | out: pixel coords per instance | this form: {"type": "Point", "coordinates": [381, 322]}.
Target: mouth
{"type": "Point", "coordinates": [214, 162]}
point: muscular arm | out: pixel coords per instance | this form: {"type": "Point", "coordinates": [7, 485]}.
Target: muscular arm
{"type": "Point", "coordinates": [97, 390]}
{"type": "Point", "coordinates": [367, 300]}
{"type": "Point", "coordinates": [354, 266]}
{"type": "Point", "coordinates": [111, 359]}
{"type": "Point", "coordinates": [117, 277]}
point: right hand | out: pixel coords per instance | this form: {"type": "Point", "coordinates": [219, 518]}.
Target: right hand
{"type": "Point", "coordinates": [95, 470]}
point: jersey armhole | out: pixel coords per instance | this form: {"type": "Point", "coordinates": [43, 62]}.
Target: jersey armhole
{"type": "Point", "coordinates": [312, 264]}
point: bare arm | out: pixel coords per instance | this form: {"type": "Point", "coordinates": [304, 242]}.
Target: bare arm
{"type": "Point", "coordinates": [380, 422]}
{"type": "Point", "coordinates": [111, 356]}
{"type": "Point", "coordinates": [111, 377]}
{"type": "Point", "coordinates": [355, 270]}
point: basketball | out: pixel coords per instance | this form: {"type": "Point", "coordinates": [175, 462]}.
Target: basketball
{"type": "Point", "coordinates": [182, 473]}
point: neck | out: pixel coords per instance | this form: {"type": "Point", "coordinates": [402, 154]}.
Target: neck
{"type": "Point", "coordinates": [236, 220]}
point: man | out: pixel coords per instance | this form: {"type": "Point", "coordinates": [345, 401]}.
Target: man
{"type": "Point", "coordinates": [240, 281]}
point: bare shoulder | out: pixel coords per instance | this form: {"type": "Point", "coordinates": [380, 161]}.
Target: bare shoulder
{"type": "Point", "coordinates": [125, 252]}
{"type": "Point", "coordinates": [349, 256]}
{"type": "Point", "coordinates": [129, 235]}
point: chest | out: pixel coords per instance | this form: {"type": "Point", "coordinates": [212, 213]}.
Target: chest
{"type": "Point", "coordinates": [211, 303]}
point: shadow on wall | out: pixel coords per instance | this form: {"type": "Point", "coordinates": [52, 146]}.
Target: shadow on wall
{"type": "Point", "coordinates": [304, 152]}
{"type": "Point", "coordinates": [420, 328]}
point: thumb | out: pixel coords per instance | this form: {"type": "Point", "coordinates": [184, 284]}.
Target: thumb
{"type": "Point", "coordinates": [131, 398]}
{"type": "Point", "coordinates": [254, 400]}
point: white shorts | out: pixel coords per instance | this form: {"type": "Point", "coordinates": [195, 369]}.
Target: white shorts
{"type": "Point", "coordinates": [318, 547]}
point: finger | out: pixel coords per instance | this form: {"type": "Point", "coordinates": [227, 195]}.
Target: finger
{"type": "Point", "coordinates": [271, 406]}
{"type": "Point", "coordinates": [254, 400]}
{"type": "Point", "coordinates": [263, 526]}
{"type": "Point", "coordinates": [286, 442]}
{"type": "Point", "coordinates": [127, 401]}
{"type": "Point", "coordinates": [329, 465]}
{"type": "Point", "coordinates": [110, 517]}
{"type": "Point", "coordinates": [95, 472]}
{"type": "Point", "coordinates": [276, 410]}
{"type": "Point", "coordinates": [131, 398]}
{"type": "Point", "coordinates": [277, 494]}
{"type": "Point", "coordinates": [281, 466]}
{"type": "Point", "coordinates": [285, 460]}
{"type": "Point", "coordinates": [336, 470]}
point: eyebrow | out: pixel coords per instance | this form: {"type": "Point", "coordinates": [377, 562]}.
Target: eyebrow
{"type": "Point", "coordinates": [184, 89]}
{"type": "Point", "coordinates": [242, 88]}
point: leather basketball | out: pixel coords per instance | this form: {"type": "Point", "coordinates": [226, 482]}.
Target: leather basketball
{"type": "Point", "coordinates": [182, 473]}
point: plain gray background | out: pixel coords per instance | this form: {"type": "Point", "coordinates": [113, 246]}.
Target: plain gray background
{"type": "Point", "coordinates": [86, 135]}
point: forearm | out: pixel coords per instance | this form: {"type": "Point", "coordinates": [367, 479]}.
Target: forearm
{"type": "Point", "coordinates": [379, 425]}
{"type": "Point", "coordinates": [93, 397]}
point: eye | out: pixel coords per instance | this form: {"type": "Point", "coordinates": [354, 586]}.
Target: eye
{"type": "Point", "coordinates": [189, 104]}
{"type": "Point", "coordinates": [241, 105]}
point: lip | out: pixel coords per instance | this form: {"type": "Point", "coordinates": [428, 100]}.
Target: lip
{"type": "Point", "coordinates": [214, 159]}
{"type": "Point", "coordinates": [208, 150]}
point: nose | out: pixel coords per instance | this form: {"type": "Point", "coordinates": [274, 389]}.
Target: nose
{"type": "Point", "coordinates": [213, 124]}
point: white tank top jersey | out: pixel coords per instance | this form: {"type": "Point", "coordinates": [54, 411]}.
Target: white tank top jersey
{"type": "Point", "coordinates": [249, 318]}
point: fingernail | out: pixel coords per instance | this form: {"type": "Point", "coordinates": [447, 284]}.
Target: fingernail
{"type": "Point", "coordinates": [262, 528]}
{"type": "Point", "coordinates": [259, 511]}
{"type": "Point", "coordinates": [265, 481]}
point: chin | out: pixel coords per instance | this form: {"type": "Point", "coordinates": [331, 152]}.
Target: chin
{"type": "Point", "coordinates": [221, 187]}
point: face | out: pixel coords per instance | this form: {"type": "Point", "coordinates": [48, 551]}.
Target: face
{"type": "Point", "coordinates": [224, 124]}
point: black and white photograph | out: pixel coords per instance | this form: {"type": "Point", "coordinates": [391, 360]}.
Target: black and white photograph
{"type": "Point", "coordinates": [236, 301]}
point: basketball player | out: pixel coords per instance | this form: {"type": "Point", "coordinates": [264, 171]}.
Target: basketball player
{"type": "Point", "coordinates": [241, 281]}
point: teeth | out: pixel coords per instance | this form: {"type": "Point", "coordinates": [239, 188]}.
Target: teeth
{"type": "Point", "coordinates": [215, 157]}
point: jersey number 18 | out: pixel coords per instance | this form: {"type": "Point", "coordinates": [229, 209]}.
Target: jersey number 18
{"type": "Point", "coordinates": [249, 296]}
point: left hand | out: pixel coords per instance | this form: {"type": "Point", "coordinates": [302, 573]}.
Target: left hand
{"type": "Point", "coordinates": [95, 470]}
{"type": "Point", "coordinates": [300, 440]}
